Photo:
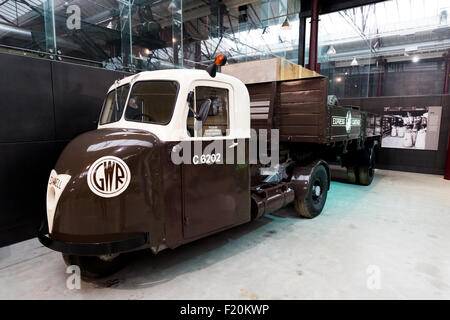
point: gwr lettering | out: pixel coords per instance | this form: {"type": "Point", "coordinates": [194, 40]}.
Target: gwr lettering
{"type": "Point", "coordinates": [110, 169]}
{"type": "Point", "coordinates": [108, 177]}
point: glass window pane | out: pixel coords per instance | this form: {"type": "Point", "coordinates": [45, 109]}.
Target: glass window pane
{"type": "Point", "coordinates": [152, 102]}
{"type": "Point", "coordinates": [89, 32]}
{"type": "Point", "coordinates": [114, 104]}
{"type": "Point", "coordinates": [217, 121]}
{"type": "Point", "coordinates": [22, 26]}
{"type": "Point", "coordinates": [389, 48]}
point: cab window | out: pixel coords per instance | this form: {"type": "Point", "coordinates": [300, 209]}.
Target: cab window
{"type": "Point", "coordinates": [114, 104]}
{"type": "Point", "coordinates": [217, 121]}
{"type": "Point", "coordinates": [152, 102]}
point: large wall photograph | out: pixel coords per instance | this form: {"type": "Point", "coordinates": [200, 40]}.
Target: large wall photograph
{"type": "Point", "coordinates": [411, 127]}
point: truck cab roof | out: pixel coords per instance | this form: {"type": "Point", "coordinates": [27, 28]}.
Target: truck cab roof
{"type": "Point", "coordinates": [188, 80]}
{"type": "Point", "coordinates": [180, 75]}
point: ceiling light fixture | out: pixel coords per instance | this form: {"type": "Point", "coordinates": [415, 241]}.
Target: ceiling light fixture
{"type": "Point", "coordinates": [354, 62]}
{"type": "Point", "coordinates": [286, 25]}
{"type": "Point", "coordinates": [173, 8]}
{"type": "Point", "coordinates": [331, 51]}
{"type": "Point", "coordinates": [443, 18]}
{"type": "Point", "coordinates": [415, 59]}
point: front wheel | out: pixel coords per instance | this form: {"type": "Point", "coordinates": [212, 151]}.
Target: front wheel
{"type": "Point", "coordinates": [92, 267]}
{"type": "Point", "coordinates": [312, 205]}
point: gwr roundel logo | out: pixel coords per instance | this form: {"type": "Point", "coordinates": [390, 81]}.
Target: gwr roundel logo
{"type": "Point", "coordinates": [108, 176]}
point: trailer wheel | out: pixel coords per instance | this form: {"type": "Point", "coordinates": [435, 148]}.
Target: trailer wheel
{"type": "Point", "coordinates": [92, 267]}
{"type": "Point", "coordinates": [366, 173]}
{"type": "Point", "coordinates": [312, 205]}
{"type": "Point", "coordinates": [351, 175]}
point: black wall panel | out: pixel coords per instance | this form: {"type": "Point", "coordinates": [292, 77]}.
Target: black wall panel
{"type": "Point", "coordinates": [26, 99]}
{"type": "Point", "coordinates": [25, 168]}
{"type": "Point", "coordinates": [78, 96]}
{"type": "Point", "coordinates": [43, 105]}
{"type": "Point", "coordinates": [422, 161]}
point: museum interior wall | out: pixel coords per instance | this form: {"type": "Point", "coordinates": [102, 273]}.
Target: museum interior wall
{"type": "Point", "coordinates": [44, 105]}
{"type": "Point", "coordinates": [412, 160]}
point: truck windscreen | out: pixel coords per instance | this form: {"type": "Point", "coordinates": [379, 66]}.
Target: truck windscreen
{"type": "Point", "coordinates": [152, 101]}
{"type": "Point", "coordinates": [114, 104]}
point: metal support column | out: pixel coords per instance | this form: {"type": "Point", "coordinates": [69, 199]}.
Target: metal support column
{"type": "Point", "coordinates": [126, 34]}
{"type": "Point", "coordinates": [49, 23]}
{"type": "Point", "coordinates": [447, 72]}
{"type": "Point", "coordinates": [301, 40]}
{"type": "Point", "coordinates": [381, 72]}
{"type": "Point", "coordinates": [177, 33]}
{"type": "Point", "coordinates": [313, 39]}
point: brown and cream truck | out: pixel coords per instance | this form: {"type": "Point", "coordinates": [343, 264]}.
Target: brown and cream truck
{"type": "Point", "coordinates": [173, 160]}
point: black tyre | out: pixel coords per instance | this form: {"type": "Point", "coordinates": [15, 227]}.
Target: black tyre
{"type": "Point", "coordinates": [367, 172]}
{"type": "Point", "coordinates": [312, 205]}
{"type": "Point", "coordinates": [92, 267]}
{"type": "Point", "coordinates": [351, 175]}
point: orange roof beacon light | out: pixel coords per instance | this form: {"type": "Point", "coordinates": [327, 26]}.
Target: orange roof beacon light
{"type": "Point", "coordinates": [219, 61]}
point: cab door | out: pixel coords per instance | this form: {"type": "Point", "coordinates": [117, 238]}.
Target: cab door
{"type": "Point", "coordinates": [216, 195]}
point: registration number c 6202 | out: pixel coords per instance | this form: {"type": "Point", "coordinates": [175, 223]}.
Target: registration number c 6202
{"type": "Point", "coordinates": [206, 158]}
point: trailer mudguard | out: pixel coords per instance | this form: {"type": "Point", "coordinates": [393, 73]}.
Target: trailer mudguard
{"type": "Point", "coordinates": [301, 178]}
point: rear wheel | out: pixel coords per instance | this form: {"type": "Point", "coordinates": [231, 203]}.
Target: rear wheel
{"type": "Point", "coordinates": [92, 267]}
{"type": "Point", "coordinates": [366, 173]}
{"type": "Point", "coordinates": [351, 174]}
{"type": "Point", "coordinates": [312, 205]}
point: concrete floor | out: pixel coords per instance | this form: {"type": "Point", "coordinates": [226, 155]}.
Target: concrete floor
{"type": "Point", "coordinates": [390, 240]}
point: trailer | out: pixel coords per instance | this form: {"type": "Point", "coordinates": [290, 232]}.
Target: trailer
{"type": "Point", "coordinates": [134, 183]}
{"type": "Point", "coordinates": [314, 129]}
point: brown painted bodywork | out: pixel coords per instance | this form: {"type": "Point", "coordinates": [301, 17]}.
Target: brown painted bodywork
{"type": "Point", "coordinates": [299, 109]}
{"type": "Point", "coordinates": [215, 197]}
{"type": "Point", "coordinates": [174, 204]}
{"type": "Point", "coordinates": [270, 197]}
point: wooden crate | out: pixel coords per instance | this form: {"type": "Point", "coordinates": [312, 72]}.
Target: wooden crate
{"type": "Point", "coordinates": [298, 108]}
{"type": "Point", "coordinates": [268, 70]}
{"type": "Point", "coordinates": [293, 99]}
